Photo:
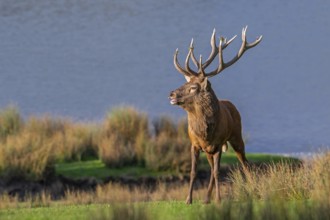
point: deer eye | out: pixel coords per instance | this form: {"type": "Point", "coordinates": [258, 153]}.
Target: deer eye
{"type": "Point", "coordinates": [193, 88]}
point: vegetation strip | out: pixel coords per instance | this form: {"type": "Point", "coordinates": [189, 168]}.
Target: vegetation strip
{"type": "Point", "coordinates": [177, 210]}
{"type": "Point", "coordinates": [31, 149]}
{"type": "Point", "coordinates": [40, 149]}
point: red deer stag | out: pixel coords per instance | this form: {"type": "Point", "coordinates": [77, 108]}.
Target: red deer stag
{"type": "Point", "coordinates": [211, 123]}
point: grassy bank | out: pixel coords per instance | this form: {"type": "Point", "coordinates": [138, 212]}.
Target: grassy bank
{"type": "Point", "coordinates": [279, 191]}
{"type": "Point", "coordinates": [96, 168]}
{"type": "Point", "coordinates": [298, 210]}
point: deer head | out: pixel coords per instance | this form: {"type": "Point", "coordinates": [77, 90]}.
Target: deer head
{"type": "Point", "coordinates": [197, 81]}
{"type": "Point", "coordinates": [186, 95]}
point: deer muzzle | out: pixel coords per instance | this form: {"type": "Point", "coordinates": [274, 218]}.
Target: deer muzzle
{"type": "Point", "coordinates": [173, 98]}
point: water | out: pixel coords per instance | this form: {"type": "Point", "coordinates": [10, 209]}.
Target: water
{"type": "Point", "coordinates": [80, 58]}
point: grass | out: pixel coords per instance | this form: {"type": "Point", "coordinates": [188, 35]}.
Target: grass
{"type": "Point", "coordinates": [10, 122]}
{"type": "Point", "coordinates": [175, 210]}
{"type": "Point", "coordinates": [123, 136]}
{"type": "Point", "coordinates": [259, 201]}
{"type": "Point", "coordinates": [231, 159]}
{"type": "Point", "coordinates": [56, 212]}
{"type": "Point", "coordinates": [159, 210]}
{"type": "Point", "coordinates": [97, 169]}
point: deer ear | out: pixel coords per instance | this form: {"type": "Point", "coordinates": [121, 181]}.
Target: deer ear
{"type": "Point", "coordinates": [187, 78]}
{"type": "Point", "coordinates": [204, 83]}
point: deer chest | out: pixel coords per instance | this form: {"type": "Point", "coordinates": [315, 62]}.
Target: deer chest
{"type": "Point", "coordinates": [208, 138]}
{"type": "Point", "coordinates": [210, 149]}
{"type": "Point", "coordinates": [202, 131]}
{"type": "Point", "coordinates": [205, 144]}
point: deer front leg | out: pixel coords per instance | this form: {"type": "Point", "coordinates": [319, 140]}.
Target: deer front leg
{"type": "Point", "coordinates": [210, 187]}
{"type": "Point", "coordinates": [193, 172]}
{"type": "Point", "coordinates": [216, 162]}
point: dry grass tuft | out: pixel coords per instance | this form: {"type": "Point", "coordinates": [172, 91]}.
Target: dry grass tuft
{"type": "Point", "coordinates": [164, 125]}
{"type": "Point", "coordinates": [115, 193]}
{"type": "Point", "coordinates": [26, 156]}
{"type": "Point", "coordinates": [76, 142]}
{"type": "Point", "coordinates": [10, 122]}
{"type": "Point", "coordinates": [115, 153]}
{"type": "Point", "coordinates": [29, 150]}
{"type": "Point", "coordinates": [168, 153]}
{"type": "Point", "coordinates": [123, 137]}
{"type": "Point", "coordinates": [320, 177]}
{"type": "Point", "coordinates": [284, 181]}
{"type": "Point", "coordinates": [169, 149]}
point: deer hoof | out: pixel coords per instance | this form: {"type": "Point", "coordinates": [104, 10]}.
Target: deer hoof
{"type": "Point", "coordinates": [217, 200]}
{"type": "Point", "coordinates": [188, 201]}
{"type": "Point", "coordinates": [207, 201]}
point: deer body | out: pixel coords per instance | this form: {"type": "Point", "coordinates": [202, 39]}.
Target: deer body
{"type": "Point", "coordinates": [211, 122]}
{"type": "Point", "coordinates": [215, 129]}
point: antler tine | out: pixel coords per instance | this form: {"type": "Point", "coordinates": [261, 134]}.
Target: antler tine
{"type": "Point", "coordinates": [201, 69]}
{"type": "Point", "coordinates": [221, 64]}
{"type": "Point", "coordinates": [213, 53]}
{"type": "Point", "coordinates": [192, 53]}
{"type": "Point", "coordinates": [228, 42]}
{"type": "Point", "coordinates": [215, 49]}
{"type": "Point", "coordinates": [186, 74]}
{"type": "Point", "coordinates": [255, 43]}
{"type": "Point", "coordinates": [188, 69]}
{"type": "Point", "coordinates": [244, 47]}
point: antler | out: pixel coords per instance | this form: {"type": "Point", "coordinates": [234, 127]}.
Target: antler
{"type": "Point", "coordinates": [188, 72]}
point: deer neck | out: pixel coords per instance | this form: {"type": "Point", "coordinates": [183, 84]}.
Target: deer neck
{"type": "Point", "coordinates": [203, 116]}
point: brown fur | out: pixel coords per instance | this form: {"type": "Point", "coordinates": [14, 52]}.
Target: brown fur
{"type": "Point", "coordinates": [211, 123]}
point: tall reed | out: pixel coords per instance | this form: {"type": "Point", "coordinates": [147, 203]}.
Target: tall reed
{"type": "Point", "coordinates": [170, 148]}
{"type": "Point", "coordinates": [26, 156]}
{"type": "Point", "coordinates": [76, 142]}
{"type": "Point", "coordinates": [284, 181]}
{"type": "Point", "coordinates": [168, 153]}
{"type": "Point", "coordinates": [319, 174]}
{"type": "Point", "coordinates": [10, 122]}
{"type": "Point", "coordinates": [30, 149]}
{"type": "Point", "coordinates": [123, 135]}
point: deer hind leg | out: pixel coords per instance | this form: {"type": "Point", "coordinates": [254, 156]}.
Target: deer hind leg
{"type": "Point", "coordinates": [211, 183]}
{"type": "Point", "coordinates": [193, 172]}
{"type": "Point", "coordinates": [239, 148]}
{"type": "Point", "coordinates": [238, 145]}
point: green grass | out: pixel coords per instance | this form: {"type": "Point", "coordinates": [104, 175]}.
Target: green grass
{"type": "Point", "coordinates": [97, 169]}
{"type": "Point", "coordinates": [175, 210]}
{"type": "Point", "coordinates": [56, 212]}
{"type": "Point", "coordinates": [116, 202]}
{"type": "Point", "coordinates": [231, 159]}
{"type": "Point", "coordinates": [96, 211]}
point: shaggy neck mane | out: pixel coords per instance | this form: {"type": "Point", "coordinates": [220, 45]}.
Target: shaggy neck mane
{"type": "Point", "coordinates": [202, 118]}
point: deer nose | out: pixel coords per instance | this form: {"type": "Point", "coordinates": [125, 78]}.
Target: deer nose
{"type": "Point", "coordinates": [172, 95]}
